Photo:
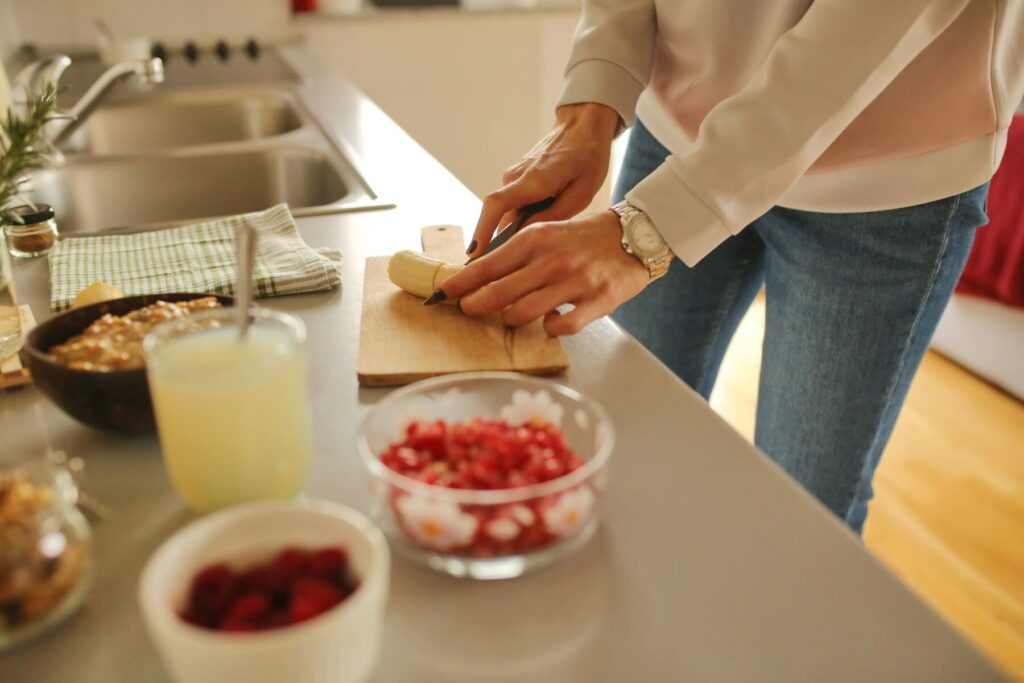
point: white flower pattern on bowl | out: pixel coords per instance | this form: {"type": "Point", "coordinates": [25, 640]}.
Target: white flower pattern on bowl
{"type": "Point", "coordinates": [523, 514]}
{"type": "Point", "coordinates": [570, 512]}
{"type": "Point", "coordinates": [527, 407]}
{"type": "Point", "coordinates": [502, 529]}
{"type": "Point", "coordinates": [437, 524]}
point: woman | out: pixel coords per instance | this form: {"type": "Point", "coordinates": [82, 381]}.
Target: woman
{"type": "Point", "coordinates": [835, 152]}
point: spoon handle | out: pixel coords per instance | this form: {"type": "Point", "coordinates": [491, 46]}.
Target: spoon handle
{"type": "Point", "coordinates": [245, 244]}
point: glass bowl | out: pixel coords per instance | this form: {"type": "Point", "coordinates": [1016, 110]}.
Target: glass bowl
{"type": "Point", "coordinates": [488, 533]}
{"type": "Point", "coordinates": [45, 547]}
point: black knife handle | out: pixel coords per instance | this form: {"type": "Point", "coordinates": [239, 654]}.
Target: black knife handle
{"type": "Point", "coordinates": [512, 228]}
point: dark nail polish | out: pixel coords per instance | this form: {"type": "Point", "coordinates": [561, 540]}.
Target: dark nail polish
{"type": "Point", "coordinates": [471, 248]}
{"type": "Point", "coordinates": [437, 297]}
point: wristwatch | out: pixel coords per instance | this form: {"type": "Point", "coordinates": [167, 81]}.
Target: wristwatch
{"type": "Point", "coordinates": [641, 239]}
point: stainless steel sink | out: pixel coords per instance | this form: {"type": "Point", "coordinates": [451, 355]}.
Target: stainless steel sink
{"type": "Point", "coordinates": [183, 154]}
{"type": "Point", "coordinates": [184, 120]}
{"type": "Point", "coordinates": [97, 194]}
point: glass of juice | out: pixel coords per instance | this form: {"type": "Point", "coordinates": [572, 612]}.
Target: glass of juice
{"type": "Point", "coordinates": [232, 411]}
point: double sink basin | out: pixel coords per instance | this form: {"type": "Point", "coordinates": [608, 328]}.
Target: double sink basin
{"type": "Point", "coordinates": [173, 157]}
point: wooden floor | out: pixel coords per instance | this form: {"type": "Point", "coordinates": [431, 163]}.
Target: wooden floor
{"type": "Point", "coordinates": [948, 516]}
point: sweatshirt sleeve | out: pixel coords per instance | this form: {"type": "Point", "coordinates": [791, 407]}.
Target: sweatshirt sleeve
{"type": "Point", "coordinates": [612, 54]}
{"type": "Point", "coordinates": [757, 144]}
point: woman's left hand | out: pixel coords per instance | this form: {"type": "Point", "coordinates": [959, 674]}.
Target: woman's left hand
{"type": "Point", "coordinates": [546, 265]}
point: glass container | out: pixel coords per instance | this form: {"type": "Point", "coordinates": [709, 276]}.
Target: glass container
{"type": "Point", "coordinates": [492, 533]}
{"type": "Point", "coordinates": [45, 551]}
{"type": "Point", "coordinates": [36, 234]}
{"type": "Point", "coordinates": [232, 412]}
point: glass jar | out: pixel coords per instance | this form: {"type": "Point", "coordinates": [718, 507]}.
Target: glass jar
{"type": "Point", "coordinates": [36, 234]}
{"type": "Point", "coordinates": [45, 553]}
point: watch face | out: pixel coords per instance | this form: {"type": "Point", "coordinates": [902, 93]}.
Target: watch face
{"type": "Point", "coordinates": [645, 238]}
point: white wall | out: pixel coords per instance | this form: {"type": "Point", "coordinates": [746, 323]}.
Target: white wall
{"type": "Point", "coordinates": [476, 90]}
{"type": "Point", "coordinates": [62, 22]}
{"type": "Point", "coordinates": [8, 29]}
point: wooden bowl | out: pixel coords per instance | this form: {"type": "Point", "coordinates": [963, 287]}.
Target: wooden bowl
{"type": "Point", "coordinates": [118, 400]}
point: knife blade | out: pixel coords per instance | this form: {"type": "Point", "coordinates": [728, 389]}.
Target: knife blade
{"type": "Point", "coordinates": [510, 230]}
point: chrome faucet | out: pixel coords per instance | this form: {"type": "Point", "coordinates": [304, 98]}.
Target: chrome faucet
{"type": "Point", "coordinates": [36, 76]}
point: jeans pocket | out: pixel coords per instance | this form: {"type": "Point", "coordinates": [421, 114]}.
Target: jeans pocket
{"type": "Point", "coordinates": [973, 209]}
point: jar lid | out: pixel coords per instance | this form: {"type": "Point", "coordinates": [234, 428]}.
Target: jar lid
{"type": "Point", "coordinates": [37, 214]}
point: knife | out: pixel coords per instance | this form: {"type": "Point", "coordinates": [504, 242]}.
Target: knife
{"type": "Point", "coordinates": [509, 231]}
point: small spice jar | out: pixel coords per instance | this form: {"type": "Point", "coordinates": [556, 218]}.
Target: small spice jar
{"type": "Point", "coordinates": [45, 556]}
{"type": "Point", "coordinates": [35, 235]}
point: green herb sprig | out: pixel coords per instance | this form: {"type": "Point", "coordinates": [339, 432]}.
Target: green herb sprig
{"type": "Point", "coordinates": [23, 147]}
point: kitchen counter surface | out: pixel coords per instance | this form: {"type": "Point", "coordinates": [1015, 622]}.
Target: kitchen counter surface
{"type": "Point", "coordinates": [711, 565]}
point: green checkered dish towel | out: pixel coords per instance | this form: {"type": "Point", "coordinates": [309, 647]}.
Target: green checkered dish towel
{"type": "Point", "coordinates": [192, 258]}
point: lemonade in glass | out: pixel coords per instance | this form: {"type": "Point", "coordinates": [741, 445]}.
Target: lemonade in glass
{"type": "Point", "coordinates": [232, 412]}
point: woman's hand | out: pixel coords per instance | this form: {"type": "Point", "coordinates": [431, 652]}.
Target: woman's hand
{"type": "Point", "coordinates": [579, 262]}
{"type": "Point", "coordinates": [570, 163]}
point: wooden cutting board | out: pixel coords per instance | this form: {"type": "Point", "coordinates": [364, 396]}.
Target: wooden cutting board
{"type": "Point", "coordinates": [402, 341]}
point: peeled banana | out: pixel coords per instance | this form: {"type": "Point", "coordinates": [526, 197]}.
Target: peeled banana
{"type": "Point", "coordinates": [419, 274]}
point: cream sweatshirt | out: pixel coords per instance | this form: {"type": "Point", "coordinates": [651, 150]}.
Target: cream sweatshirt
{"type": "Point", "coordinates": [823, 105]}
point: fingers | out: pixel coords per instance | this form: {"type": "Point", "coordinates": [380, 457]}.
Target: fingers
{"type": "Point", "coordinates": [520, 192]}
{"type": "Point", "coordinates": [494, 266]}
{"type": "Point", "coordinates": [570, 202]}
{"type": "Point", "coordinates": [508, 290]}
{"type": "Point", "coordinates": [540, 302]}
{"type": "Point", "coordinates": [527, 188]}
{"type": "Point", "coordinates": [558, 325]}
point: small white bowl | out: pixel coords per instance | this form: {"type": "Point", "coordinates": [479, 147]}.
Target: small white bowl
{"type": "Point", "coordinates": [338, 646]}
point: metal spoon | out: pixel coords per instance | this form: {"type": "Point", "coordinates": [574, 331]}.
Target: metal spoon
{"type": "Point", "coordinates": [245, 246]}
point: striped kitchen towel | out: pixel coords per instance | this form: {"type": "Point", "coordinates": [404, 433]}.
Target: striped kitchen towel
{"type": "Point", "coordinates": [191, 258]}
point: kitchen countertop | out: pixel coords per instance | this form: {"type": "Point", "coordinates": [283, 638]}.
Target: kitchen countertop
{"type": "Point", "coordinates": [711, 564]}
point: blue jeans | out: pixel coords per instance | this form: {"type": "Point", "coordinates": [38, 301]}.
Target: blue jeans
{"type": "Point", "coordinates": [852, 301]}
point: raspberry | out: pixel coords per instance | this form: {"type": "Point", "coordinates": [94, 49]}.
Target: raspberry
{"type": "Point", "coordinates": [237, 626]}
{"type": "Point", "coordinates": [296, 585]}
{"type": "Point", "coordinates": [310, 597]}
{"type": "Point", "coordinates": [292, 562]}
{"type": "Point", "coordinates": [251, 607]}
{"type": "Point", "coordinates": [329, 564]}
{"type": "Point", "coordinates": [212, 590]}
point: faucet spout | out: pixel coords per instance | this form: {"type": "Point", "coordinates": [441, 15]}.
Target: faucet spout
{"type": "Point", "coordinates": [147, 71]}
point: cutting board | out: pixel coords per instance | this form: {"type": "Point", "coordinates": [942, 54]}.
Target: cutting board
{"type": "Point", "coordinates": [402, 341]}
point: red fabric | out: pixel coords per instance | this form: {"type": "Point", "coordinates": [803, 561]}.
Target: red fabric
{"type": "Point", "coordinates": [995, 269]}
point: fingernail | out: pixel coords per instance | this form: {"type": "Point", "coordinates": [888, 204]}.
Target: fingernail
{"type": "Point", "coordinates": [437, 297]}
{"type": "Point", "coordinates": [471, 248]}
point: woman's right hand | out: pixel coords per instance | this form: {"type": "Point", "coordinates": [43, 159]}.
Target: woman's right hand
{"type": "Point", "coordinates": [570, 163]}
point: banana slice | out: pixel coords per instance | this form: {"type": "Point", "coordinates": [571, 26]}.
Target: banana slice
{"type": "Point", "coordinates": [419, 274]}
{"type": "Point", "coordinates": [95, 293]}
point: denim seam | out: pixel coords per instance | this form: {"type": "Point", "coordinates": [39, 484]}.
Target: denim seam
{"type": "Point", "coordinates": [891, 389]}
